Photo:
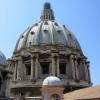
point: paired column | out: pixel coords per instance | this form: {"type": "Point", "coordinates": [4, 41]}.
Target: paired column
{"type": "Point", "coordinates": [55, 65]}
{"type": "Point", "coordinates": [34, 66]}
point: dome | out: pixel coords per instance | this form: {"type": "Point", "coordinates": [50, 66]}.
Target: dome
{"type": "Point", "coordinates": [2, 58]}
{"type": "Point", "coordinates": [51, 81]}
{"type": "Point", "coordinates": [47, 33]}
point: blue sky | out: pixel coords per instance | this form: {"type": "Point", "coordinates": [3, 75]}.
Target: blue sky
{"type": "Point", "coordinates": [82, 17]}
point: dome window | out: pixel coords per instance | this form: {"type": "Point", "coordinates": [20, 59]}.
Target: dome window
{"type": "Point", "coordinates": [56, 24]}
{"type": "Point", "coordinates": [32, 33]}
{"type": "Point", "coordinates": [22, 36]}
{"type": "Point", "coordinates": [36, 24]}
{"type": "Point", "coordinates": [59, 31]}
{"type": "Point", "coordinates": [45, 30]}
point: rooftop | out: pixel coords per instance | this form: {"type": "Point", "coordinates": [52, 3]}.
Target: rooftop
{"type": "Point", "coordinates": [84, 94]}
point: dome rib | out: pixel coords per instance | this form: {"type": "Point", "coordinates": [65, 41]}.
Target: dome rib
{"type": "Point", "coordinates": [51, 29]}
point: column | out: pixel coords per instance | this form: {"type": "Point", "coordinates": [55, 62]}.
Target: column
{"type": "Point", "coordinates": [15, 71]}
{"type": "Point", "coordinates": [85, 70]}
{"type": "Point", "coordinates": [72, 66]}
{"type": "Point", "coordinates": [76, 69]}
{"type": "Point", "coordinates": [82, 70]}
{"type": "Point", "coordinates": [53, 64]}
{"type": "Point", "coordinates": [89, 78]}
{"type": "Point", "coordinates": [36, 66]}
{"type": "Point", "coordinates": [19, 69]}
{"type": "Point", "coordinates": [8, 86]}
{"type": "Point", "coordinates": [58, 70]}
{"type": "Point", "coordinates": [32, 67]}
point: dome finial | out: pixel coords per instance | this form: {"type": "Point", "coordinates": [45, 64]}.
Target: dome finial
{"type": "Point", "coordinates": [47, 13]}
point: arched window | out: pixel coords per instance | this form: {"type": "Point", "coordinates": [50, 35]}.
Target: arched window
{"type": "Point", "coordinates": [55, 97]}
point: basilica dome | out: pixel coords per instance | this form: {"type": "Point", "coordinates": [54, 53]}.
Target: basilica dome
{"type": "Point", "coordinates": [48, 48]}
{"type": "Point", "coordinates": [51, 81]}
{"type": "Point", "coordinates": [47, 32]}
{"type": "Point", "coordinates": [2, 58]}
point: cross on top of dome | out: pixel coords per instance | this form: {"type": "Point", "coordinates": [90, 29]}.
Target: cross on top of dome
{"type": "Point", "coordinates": [47, 13]}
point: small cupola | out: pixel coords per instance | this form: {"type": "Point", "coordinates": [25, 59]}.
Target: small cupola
{"type": "Point", "coordinates": [52, 89]}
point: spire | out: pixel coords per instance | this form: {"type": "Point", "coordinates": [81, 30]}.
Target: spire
{"type": "Point", "coordinates": [47, 13]}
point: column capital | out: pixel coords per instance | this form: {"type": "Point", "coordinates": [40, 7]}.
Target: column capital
{"type": "Point", "coordinates": [33, 56]}
{"type": "Point", "coordinates": [71, 56]}
{"type": "Point", "coordinates": [19, 58]}
{"type": "Point", "coordinates": [55, 54]}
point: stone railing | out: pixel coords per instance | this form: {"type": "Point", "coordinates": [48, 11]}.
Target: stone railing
{"type": "Point", "coordinates": [26, 98]}
{"type": "Point", "coordinates": [25, 83]}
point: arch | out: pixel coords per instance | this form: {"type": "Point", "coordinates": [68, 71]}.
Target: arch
{"type": "Point", "coordinates": [55, 97]}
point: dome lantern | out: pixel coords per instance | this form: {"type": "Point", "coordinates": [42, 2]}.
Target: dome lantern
{"type": "Point", "coordinates": [47, 13]}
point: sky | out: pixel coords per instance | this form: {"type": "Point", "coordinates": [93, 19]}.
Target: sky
{"type": "Point", "coordinates": [82, 17]}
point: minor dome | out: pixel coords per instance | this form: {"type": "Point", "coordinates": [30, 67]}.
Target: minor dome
{"type": "Point", "coordinates": [2, 58]}
{"type": "Point", "coordinates": [47, 33]}
{"type": "Point", "coordinates": [51, 81]}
